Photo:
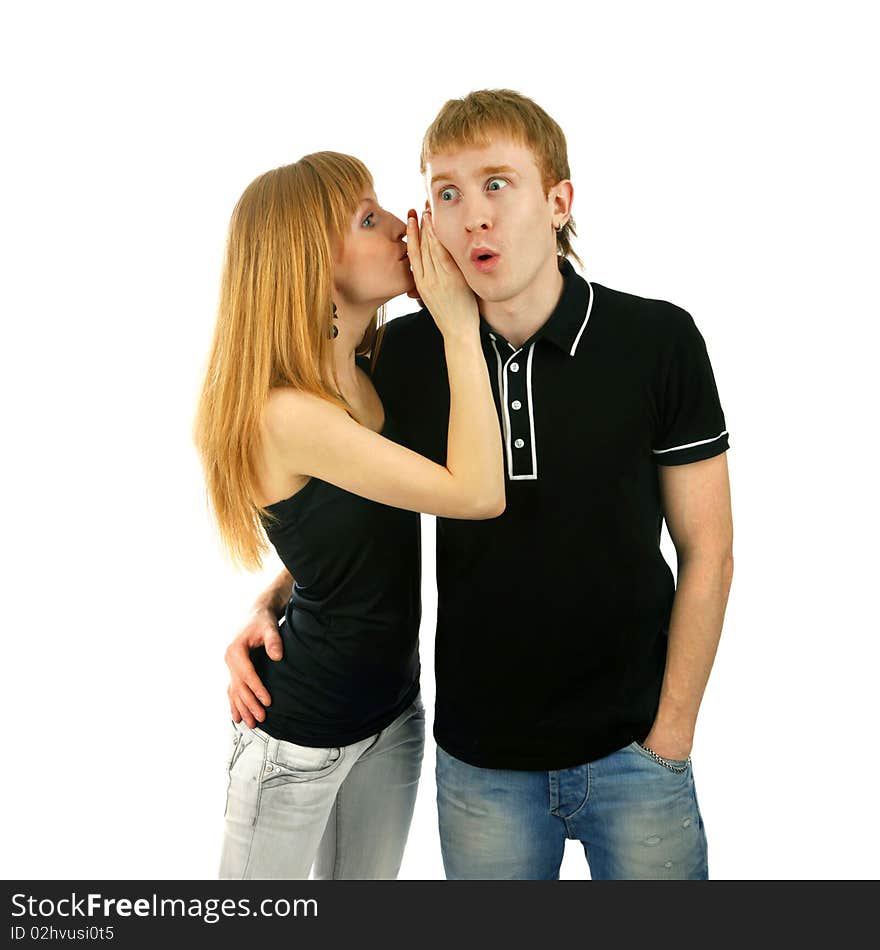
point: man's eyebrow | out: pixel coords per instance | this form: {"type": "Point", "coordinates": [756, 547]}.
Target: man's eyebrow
{"type": "Point", "coordinates": [497, 169]}
{"type": "Point", "coordinates": [485, 170]}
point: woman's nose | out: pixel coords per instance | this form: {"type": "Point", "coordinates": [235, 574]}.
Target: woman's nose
{"type": "Point", "coordinates": [398, 228]}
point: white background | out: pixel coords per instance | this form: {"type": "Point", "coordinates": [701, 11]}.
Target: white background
{"type": "Point", "coordinates": [723, 158]}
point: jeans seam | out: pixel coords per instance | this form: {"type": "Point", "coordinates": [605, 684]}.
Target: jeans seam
{"type": "Point", "coordinates": [336, 856]}
{"type": "Point", "coordinates": [250, 849]}
{"type": "Point", "coordinates": [583, 804]}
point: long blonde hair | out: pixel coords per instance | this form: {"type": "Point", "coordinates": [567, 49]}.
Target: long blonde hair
{"type": "Point", "coordinates": [274, 326]}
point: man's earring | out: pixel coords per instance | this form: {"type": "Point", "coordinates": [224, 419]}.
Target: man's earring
{"type": "Point", "coordinates": [335, 328]}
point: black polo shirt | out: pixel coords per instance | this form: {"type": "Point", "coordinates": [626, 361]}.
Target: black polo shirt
{"type": "Point", "coordinates": [552, 618]}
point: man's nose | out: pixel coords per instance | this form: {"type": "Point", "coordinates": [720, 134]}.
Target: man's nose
{"type": "Point", "coordinates": [478, 223]}
{"type": "Point", "coordinates": [477, 218]}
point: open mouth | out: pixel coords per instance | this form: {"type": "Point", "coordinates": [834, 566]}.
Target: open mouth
{"type": "Point", "coordinates": [484, 259]}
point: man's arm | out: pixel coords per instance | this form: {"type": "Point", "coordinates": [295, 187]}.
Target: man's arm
{"type": "Point", "coordinates": [247, 695]}
{"type": "Point", "coordinates": [696, 505]}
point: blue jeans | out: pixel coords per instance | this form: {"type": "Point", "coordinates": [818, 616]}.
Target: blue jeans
{"type": "Point", "coordinates": [343, 811]}
{"type": "Point", "coordinates": [636, 817]}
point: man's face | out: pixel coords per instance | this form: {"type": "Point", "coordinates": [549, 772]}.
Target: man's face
{"type": "Point", "coordinates": [491, 214]}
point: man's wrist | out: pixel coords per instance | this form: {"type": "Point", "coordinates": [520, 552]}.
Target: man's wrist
{"type": "Point", "coordinates": [678, 728]}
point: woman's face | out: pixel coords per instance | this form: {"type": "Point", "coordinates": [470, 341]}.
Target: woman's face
{"type": "Point", "coordinates": [371, 266]}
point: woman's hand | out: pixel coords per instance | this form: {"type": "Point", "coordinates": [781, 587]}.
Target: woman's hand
{"type": "Point", "coordinates": [246, 692]}
{"type": "Point", "coordinates": [439, 282]}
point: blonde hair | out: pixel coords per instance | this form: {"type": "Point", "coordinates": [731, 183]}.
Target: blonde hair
{"type": "Point", "coordinates": [274, 326]}
{"type": "Point", "coordinates": [467, 122]}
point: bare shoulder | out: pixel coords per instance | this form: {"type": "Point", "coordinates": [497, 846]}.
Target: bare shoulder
{"type": "Point", "coordinates": [289, 413]}
{"type": "Point", "coordinates": [294, 427]}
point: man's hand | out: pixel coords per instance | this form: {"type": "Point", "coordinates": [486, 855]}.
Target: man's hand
{"type": "Point", "coordinates": [247, 695]}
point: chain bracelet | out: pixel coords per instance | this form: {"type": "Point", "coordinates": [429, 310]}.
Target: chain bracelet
{"type": "Point", "coordinates": [665, 762]}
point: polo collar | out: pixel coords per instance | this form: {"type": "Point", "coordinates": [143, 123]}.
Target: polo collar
{"type": "Point", "coordinates": [566, 324]}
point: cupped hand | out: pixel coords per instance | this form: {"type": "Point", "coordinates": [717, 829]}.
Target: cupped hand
{"type": "Point", "coordinates": [439, 282]}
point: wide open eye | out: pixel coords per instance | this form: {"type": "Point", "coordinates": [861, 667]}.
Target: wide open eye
{"type": "Point", "coordinates": [496, 184]}
{"type": "Point", "coordinates": [447, 194]}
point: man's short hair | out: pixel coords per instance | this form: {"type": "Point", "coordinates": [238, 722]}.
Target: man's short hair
{"type": "Point", "coordinates": [471, 121]}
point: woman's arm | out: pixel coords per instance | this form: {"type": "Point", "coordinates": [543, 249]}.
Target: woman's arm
{"type": "Point", "coordinates": [310, 436]}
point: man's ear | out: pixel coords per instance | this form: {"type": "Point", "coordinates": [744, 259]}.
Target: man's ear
{"type": "Point", "coordinates": [562, 196]}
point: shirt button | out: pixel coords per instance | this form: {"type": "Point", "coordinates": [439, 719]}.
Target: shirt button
{"type": "Point", "coordinates": [514, 367]}
{"type": "Point", "coordinates": [516, 404]}
{"type": "Point", "coordinates": [519, 444]}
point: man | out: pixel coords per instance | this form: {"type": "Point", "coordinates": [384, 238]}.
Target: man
{"type": "Point", "coordinates": [570, 668]}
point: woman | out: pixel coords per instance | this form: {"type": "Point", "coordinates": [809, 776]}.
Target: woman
{"type": "Point", "coordinates": [294, 441]}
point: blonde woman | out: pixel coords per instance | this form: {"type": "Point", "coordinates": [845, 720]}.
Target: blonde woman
{"type": "Point", "coordinates": [296, 446]}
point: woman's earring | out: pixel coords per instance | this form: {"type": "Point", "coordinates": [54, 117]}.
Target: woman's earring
{"type": "Point", "coordinates": [335, 328]}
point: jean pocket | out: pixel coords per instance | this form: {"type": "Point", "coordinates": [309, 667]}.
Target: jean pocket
{"type": "Point", "coordinates": [671, 765]}
{"type": "Point", "coordinates": [238, 743]}
{"type": "Point", "coordinates": [243, 776]}
{"type": "Point", "coordinates": [300, 761]}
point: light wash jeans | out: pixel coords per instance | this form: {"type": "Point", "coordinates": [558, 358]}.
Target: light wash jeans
{"type": "Point", "coordinates": [636, 815]}
{"type": "Point", "coordinates": [344, 810]}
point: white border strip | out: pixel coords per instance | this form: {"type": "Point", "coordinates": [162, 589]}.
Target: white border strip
{"type": "Point", "coordinates": [689, 445]}
{"type": "Point", "coordinates": [577, 339]}
{"type": "Point", "coordinates": [502, 395]}
{"type": "Point", "coordinates": [533, 474]}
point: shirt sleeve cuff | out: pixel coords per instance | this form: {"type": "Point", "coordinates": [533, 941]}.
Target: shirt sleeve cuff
{"type": "Point", "coordinates": [692, 451]}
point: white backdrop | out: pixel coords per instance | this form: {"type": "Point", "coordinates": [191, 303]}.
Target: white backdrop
{"type": "Point", "coordinates": [723, 158]}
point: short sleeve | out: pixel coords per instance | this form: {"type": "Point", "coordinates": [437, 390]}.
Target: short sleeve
{"type": "Point", "coordinates": [691, 424]}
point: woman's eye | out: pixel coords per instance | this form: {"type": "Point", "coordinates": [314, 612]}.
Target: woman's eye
{"type": "Point", "coordinates": [368, 221]}
{"type": "Point", "coordinates": [496, 184]}
{"type": "Point", "coordinates": [447, 194]}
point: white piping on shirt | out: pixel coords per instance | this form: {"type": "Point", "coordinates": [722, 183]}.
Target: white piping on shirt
{"type": "Point", "coordinates": [534, 474]}
{"type": "Point", "coordinates": [502, 393]}
{"type": "Point", "coordinates": [500, 384]}
{"type": "Point", "coordinates": [577, 339]}
{"type": "Point", "coordinates": [689, 445]}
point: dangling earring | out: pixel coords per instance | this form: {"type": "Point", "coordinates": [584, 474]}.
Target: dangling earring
{"type": "Point", "coordinates": [335, 328]}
